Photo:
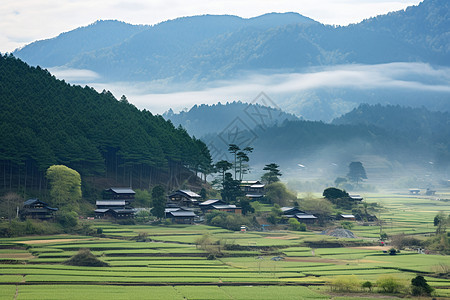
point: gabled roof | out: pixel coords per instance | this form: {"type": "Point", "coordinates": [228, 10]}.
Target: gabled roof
{"type": "Point", "coordinates": [122, 190]}
{"type": "Point", "coordinates": [291, 210]}
{"type": "Point", "coordinates": [33, 201]}
{"type": "Point", "coordinates": [305, 216]}
{"type": "Point", "coordinates": [183, 213]}
{"type": "Point", "coordinates": [226, 206]}
{"type": "Point", "coordinates": [257, 186]}
{"type": "Point", "coordinates": [190, 193]}
{"type": "Point", "coordinates": [110, 202]}
{"type": "Point", "coordinates": [250, 182]}
{"type": "Point", "coordinates": [211, 201]}
{"type": "Point", "coordinates": [254, 195]}
{"type": "Point", "coordinates": [347, 216]}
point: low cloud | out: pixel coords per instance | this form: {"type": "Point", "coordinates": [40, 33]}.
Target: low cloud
{"type": "Point", "coordinates": [79, 76]}
{"type": "Point", "coordinates": [394, 76]}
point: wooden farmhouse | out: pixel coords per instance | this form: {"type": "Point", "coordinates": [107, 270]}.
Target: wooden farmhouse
{"type": "Point", "coordinates": [180, 215]}
{"type": "Point", "coordinates": [253, 189]}
{"type": "Point", "coordinates": [215, 204]}
{"type": "Point", "coordinates": [116, 204]}
{"type": "Point", "coordinates": [37, 209]}
{"type": "Point", "coordinates": [300, 215]}
{"type": "Point", "coordinates": [184, 198]}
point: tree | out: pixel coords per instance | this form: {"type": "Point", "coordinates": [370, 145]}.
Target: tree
{"type": "Point", "coordinates": [277, 192]}
{"type": "Point", "coordinates": [9, 205]}
{"type": "Point", "coordinates": [246, 206]}
{"type": "Point", "coordinates": [272, 174]}
{"type": "Point", "coordinates": [223, 166]}
{"type": "Point", "coordinates": [420, 286]}
{"type": "Point", "coordinates": [231, 189]}
{"type": "Point", "coordinates": [232, 148]}
{"type": "Point", "coordinates": [242, 157]}
{"type": "Point", "coordinates": [356, 172]}
{"type": "Point", "coordinates": [159, 201]}
{"type": "Point", "coordinates": [65, 186]}
{"type": "Point", "coordinates": [440, 221]}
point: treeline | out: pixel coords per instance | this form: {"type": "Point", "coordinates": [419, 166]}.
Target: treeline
{"type": "Point", "coordinates": [46, 121]}
{"type": "Point", "coordinates": [206, 119]}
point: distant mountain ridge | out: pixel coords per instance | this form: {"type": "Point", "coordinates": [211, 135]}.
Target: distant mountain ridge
{"type": "Point", "coordinates": [217, 47]}
{"type": "Point", "coordinates": [212, 119]}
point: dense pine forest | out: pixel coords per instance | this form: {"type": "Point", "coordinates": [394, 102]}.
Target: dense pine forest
{"type": "Point", "coordinates": [46, 121]}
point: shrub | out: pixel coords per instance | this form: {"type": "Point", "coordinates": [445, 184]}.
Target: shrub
{"type": "Point", "coordinates": [390, 284]}
{"type": "Point", "coordinates": [295, 225]}
{"type": "Point", "coordinates": [85, 258]}
{"type": "Point", "coordinates": [367, 284]}
{"type": "Point", "coordinates": [419, 286]}
{"type": "Point", "coordinates": [346, 283]}
{"type": "Point", "coordinates": [347, 225]}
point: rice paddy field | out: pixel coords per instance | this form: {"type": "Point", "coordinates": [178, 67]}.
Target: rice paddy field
{"type": "Point", "coordinates": [256, 265]}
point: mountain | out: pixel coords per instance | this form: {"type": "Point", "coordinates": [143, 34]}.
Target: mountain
{"type": "Point", "coordinates": [391, 141]}
{"type": "Point", "coordinates": [62, 49]}
{"type": "Point", "coordinates": [212, 119]}
{"type": "Point", "coordinates": [46, 121]}
{"type": "Point", "coordinates": [217, 47]}
{"type": "Point", "coordinates": [418, 125]}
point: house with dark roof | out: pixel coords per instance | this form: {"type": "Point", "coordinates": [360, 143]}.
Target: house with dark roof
{"type": "Point", "coordinates": [180, 215]}
{"type": "Point", "coordinates": [37, 209]}
{"type": "Point", "coordinates": [115, 193]}
{"type": "Point", "coordinates": [253, 189]}
{"type": "Point", "coordinates": [290, 212]}
{"type": "Point", "coordinates": [306, 218]}
{"type": "Point", "coordinates": [116, 204]}
{"type": "Point", "coordinates": [184, 198]}
{"type": "Point", "coordinates": [216, 204]}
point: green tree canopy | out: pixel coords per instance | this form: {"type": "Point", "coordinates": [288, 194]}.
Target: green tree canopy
{"type": "Point", "coordinates": [272, 174]}
{"type": "Point", "coordinates": [159, 201]}
{"type": "Point", "coordinates": [65, 186]}
{"type": "Point", "coordinates": [356, 172]}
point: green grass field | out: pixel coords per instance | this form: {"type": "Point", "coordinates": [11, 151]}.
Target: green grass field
{"type": "Point", "coordinates": [171, 266]}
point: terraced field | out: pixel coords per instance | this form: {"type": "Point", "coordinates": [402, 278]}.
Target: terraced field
{"type": "Point", "coordinates": [262, 265]}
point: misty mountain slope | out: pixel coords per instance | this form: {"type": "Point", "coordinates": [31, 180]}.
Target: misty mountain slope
{"type": "Point", "coordinates": [220, 47]}
{"type": "Point", "coordinates": [416, 124]}
{"type": "Point", "coordinates": [65, 47]}
{"type": "Point", "coordinates": [214, 119]}
{"type": "Point", "coordinates": [426, 27]}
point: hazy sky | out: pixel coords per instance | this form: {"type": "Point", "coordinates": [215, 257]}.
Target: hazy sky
{"type": "Point", "coordinates": [24, 21]}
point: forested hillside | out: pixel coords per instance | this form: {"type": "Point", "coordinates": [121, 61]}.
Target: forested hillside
{"type": "Point", "coordinates": [46, 121]}
{"type": "Point", "coordinates": [203, 119]}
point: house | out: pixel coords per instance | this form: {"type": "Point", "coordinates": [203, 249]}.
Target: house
{"type": "Point", "coordinates": [184, 198]}
{"type": "Point", "coordinates": [290, 212]}
{"type": "Point", "coordinates": [306, 218]}
{"type": "Point", "coordinates": [37, 209]}
{"type": "Point", "coordinates": [253, 189]}
{"type": "Point", "coordinates": [414, 191]}
{"type": "Point", "coordinates": [216, 204]}
{"type": "Point", "coordinates": [126, 194]}
{"type": "Point", "coordinates": [180, 215]}
{"type": "Point", "coordinates": [116, 204]}
{"type": "Point", "coordinates": [347, 217]}
{"type": "Point", "coordinates": [116, 209]}
{"type": "Point", "coordinates": [208, 204]}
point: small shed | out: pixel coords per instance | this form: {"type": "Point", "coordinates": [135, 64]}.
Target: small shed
{"type": "Point", "coordinates": [414, 191]}
{"type": "Point", "coordinates": [306, 218]}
